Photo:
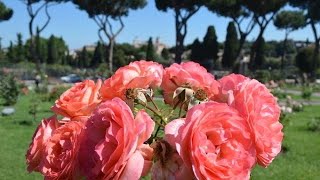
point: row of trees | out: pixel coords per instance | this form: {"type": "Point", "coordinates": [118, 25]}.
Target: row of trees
{"type": "Point", "coordinates": [245, 14]}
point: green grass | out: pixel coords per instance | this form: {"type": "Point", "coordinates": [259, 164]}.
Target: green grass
{"type": "Point", "coordinates": [300, 162]}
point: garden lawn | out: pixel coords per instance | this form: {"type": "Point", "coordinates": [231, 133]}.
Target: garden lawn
{"type": "Point", "coordinates": [300, 162]}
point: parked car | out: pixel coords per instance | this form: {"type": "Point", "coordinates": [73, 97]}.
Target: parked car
{"type": "Point", "coordinates": [71, 78]}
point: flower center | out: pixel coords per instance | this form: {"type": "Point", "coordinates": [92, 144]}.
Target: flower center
{"type": "Point", "coordinates": [201, 95]}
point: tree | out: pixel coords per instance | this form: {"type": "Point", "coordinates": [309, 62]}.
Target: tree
{"type": "Point", "coordinates": [196, 51]}
{"type": "Point", "coordinates": [312, 16]}
{"type": "Point", "coordinates": [11, 53]}
{"type": "Point", "coordinates": [103, 11]}
{"type": "Point", "coordinates": [210, 45]}
{"type": "Point", "coordinates": [52, 51]}
{"type": "Point", "coordinates": [183, 11]}
{"type": "Point", "coordinates": [20, 48]}
{"type": "Point", "coordinates": [230, 47]}
{"type": "Point", "coordinates": [150, 53]}
{"type": "Point", "coordinates": [235, 10]}
{"type": "Point", "coordinates": [98, 55]}
{"type": "Point", "coordinates": [5, 13]}
{"type": "Point", "coordinates": [263, 13]}
{"type": "Point", "coordinates": [259, 58]}
{"type": "Point", "coordinates": [83, 60]}
{"type": "Point", "coordinates": [304, 60]}
{"type": "Point", "coordinates": [288, 21]}
{"type": "Point", "coordinates": [165, 54]}
{"type": "Point", "coordinates": [34, 7]}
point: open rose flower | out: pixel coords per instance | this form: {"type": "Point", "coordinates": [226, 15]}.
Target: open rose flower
{"type": "Point", "coordinates": [113, 147]}
{"type": "Point", "coordinates": [79, 100]}
{"type": "Point", "coordinates": [139, 74]}
{"type": "Point", "coordinates": [60, 159]}
{"type": "Point", "coordinates": [213, 141]}
{"type": "Point", "coordinates": [36, 149]}
{"type": "Point", "coordinates": [189, 75]}
{"type": "Point", "coordinates": [259, 107]}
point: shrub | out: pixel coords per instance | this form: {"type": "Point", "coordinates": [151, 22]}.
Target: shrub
{"type": "Point", "coordinates": [56, 92]}
{"type": "Point", "coordinates": [306, 93]}
{"type": "Point", "coordinates": [9, 90]}
{"type": "Point", "coordinates": [58, 70]}
{"type": "Point", "coordinates": [314, 124]}
{"type": "Point", "coordinates": [262, 75]}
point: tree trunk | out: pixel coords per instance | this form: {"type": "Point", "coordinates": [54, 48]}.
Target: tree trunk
{"type": "Point", "coordinates": [284, 51]}
{"type": "Point", "coordinates": [110, 58]}
{"type": "Point", "coordinates": [179, 38]}
{"type": "Point", "coordinates": [316, 49]}
{"type": "Point", "coordinates": [242, 40]}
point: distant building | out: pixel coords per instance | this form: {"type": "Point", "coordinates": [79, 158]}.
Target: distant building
{"type": "Point", "coordinates": [157, 44]}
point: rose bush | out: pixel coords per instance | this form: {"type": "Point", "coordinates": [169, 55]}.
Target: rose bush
{"type": "Point", "coordinates": [223, 128]}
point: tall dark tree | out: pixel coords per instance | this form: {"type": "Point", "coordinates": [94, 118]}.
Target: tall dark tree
{"type": "Point", "coordinates": [259, 58]}
{"type": "Point", "coordinates": [5, 13]}
{"type": "Point", "coordinates": [52, 51]}
{"type": "Point", "coordinates": [210, 45]}
{"type": "Point", "coordinates": [98, 55]}
{"type": "Point", "coordinates": [83, 59]}
{"type": "Point", "coordinates": [312, 15]}
{"type": "Point", "coordinates": [231, 46]}
{"type": "Point", "coordinates": [183, 11]}
{"type": "Point", "coordinates": [288, 21]}
{"type": "Point", "coordinates": [235, 10]}
{"type": "Point", "coordinates": [20, 48]}
{"type": "Point", "coordinates": [263, 13]}
{"type": "Point", "coordinates": [165, 54]}
{"type": "Point", "coordinates": [196, 51]}
{"type": "Point", "coordinates": [150, 53]}
{"type": "Point", "coordinates": [103, 11]}
{"type": "Point", "coordinates": [11, 53]}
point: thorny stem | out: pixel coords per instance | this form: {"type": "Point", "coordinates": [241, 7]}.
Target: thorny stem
{"type": "Point", "coordinates": [156, 112]}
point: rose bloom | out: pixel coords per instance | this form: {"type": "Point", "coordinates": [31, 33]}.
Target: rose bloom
{"type": "Point", "coordinates": [259, 107]}
{"type": "Point", "coordinates": [213, 141]}
{"type": "Point", "coordinates": [139, 74]}
{"type": "Point", "coordinates": [60, 159]}
{"type": "Point", "coordinates": [190, 75]}
{"type": "Point", "coordinates": [40, 137]}
{"type": "Point", "coordinates": [79, 100]}
{"type": "Point", "coordinates": [113, 146]}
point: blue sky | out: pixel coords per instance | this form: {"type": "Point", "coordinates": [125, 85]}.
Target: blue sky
{"type": "Point", "coordinates": [77, 29]}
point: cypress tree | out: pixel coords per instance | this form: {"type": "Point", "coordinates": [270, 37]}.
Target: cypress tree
{"type": "Point", "coordinates": [230, 47]}
{"type": "Point", "coordinates": [20, 48]}
{"type": "Point", "coordinates": [210, 44]}
{"type": "Point", "coordinates": [98, 55]}
{"type": "Point", "coordinates": [52, 51]}
{"type": "Point", "coordinates": [165, 54]}
{"type": "Point", "coordinates": [150, 53]}
{"type": "Point", "coordinates": [196, 51]}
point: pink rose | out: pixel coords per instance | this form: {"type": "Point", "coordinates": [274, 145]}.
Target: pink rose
{"type": "Point", "coordinates": [79, 100]}
{"type": "Point", "coordinates": [60, 159]}
{"type": "Point", "coordinates": [190, 75]}
{"type": "Point", "coordinates": [259, 107]}
{"type": "Point", "coordinates": [228, 85]}
{"type": "Point", "coordinates": [36, 149]}
{"type": "Point", "coordinates": [113, 146]}
{"type": "Point", "coordinates": [138, 74]}
{"type": "Point", "coordinates": [213, 141]}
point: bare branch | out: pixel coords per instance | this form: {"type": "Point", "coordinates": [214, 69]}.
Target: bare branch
{"type": "Point", "coordinates": [48, 19]}
{"type": "Point", "coordinates": [121, 27]}
{"type": "Point", "coordinates": [39, 9]}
